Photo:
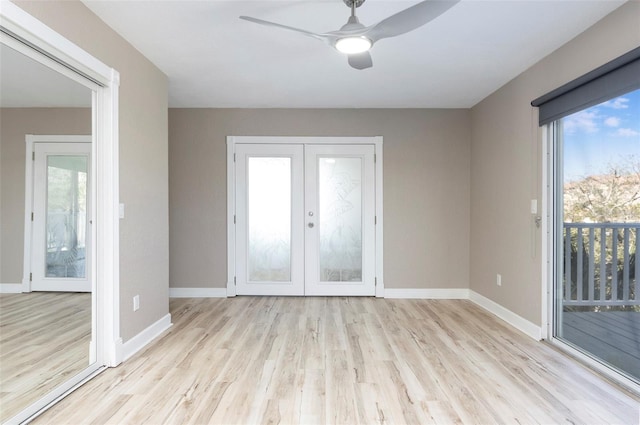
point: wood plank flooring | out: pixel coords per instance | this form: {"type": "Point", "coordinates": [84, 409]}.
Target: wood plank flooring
{"type": "Point", "coordinates": [268, 360]}
{"type": "Point", "coordinates": [44, 340]}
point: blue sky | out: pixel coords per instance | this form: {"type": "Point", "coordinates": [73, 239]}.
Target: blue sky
{"type": "Point", "coordinates": [608, 133]}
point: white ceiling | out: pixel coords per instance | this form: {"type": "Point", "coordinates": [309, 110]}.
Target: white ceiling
{"type": "Point", "coordinates": [214, 59]}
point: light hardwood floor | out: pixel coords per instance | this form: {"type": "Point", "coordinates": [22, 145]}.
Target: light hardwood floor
{"type": "Point", "coordinates": [250, 360]}
{"type": "Point", "coordinates": [44, 340]}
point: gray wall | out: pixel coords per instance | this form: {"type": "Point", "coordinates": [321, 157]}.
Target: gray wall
{"type": "Point", "coordinates": [144, 244]}
{"type": "Point", "coordinates": [506, 164]}
{"type": "Point", "coordinates": [15, 123]}
{"type": "Point", "coordinates": [426, 187]}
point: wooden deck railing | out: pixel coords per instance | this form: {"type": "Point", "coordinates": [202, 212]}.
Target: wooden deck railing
{"type": "Point", "coordinates": [601, 264]}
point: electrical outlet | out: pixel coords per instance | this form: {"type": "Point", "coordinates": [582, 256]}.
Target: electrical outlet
{"type": "Point", "coordinates": [499, 279]}
{"type": "Point", "coordinates": [136, 303]}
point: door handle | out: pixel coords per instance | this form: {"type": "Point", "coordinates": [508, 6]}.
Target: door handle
{"type": "Point", "coordinates": [310, 225]}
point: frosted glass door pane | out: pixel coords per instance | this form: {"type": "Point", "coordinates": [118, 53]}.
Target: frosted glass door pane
{"type": "Point", "coordinates": [340, 219]}
{"type": "Point", "coordinates": [66, 226]}
{"type": "Point", "coordinates": [269, 219]}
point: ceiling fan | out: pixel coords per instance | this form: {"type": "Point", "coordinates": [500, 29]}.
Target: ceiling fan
{"type": "Point", "coordinates": [354, 39]}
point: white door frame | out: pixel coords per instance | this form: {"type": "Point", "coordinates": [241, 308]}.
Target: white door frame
{"type": "Point", "coordinates": [232, 141]}
{"type": "Point", "coordinates": [26, 34]}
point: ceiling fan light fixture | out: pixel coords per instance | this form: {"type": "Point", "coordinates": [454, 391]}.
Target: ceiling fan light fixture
{"type": "Point", "coordinates": [355, 39]}
{"type": "Point", "coordinates": [352, 45]}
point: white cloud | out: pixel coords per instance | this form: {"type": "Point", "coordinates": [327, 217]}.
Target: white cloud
{"type": "Point", "coordinates": [584, 121]}
{"type": "Point", "coordinates": [617, 103]}
{"type": "Point", "coordinates": [612, 122]}
{"type": "Point", "coordinates": [627, 132]}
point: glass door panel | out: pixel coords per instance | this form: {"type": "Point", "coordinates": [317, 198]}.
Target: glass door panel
{"type": "Point", "coordinates": [269, 219]}
{"type": "Point", "coordinates": [597, 303]}
{"type": "Point", "coordinates": [66, 216]}
{"type": "Point", "coordinates": [340, 219]}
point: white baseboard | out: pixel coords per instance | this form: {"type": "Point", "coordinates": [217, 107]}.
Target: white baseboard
{"type": "Point", "coordinates": [141, 340]}
{"type": "Point", "coordinates": [428, 294]}
{"type": "Point", "coordinates": [197, 292]}
{"type": "Point", "coordinates": [518, 322]}
{"type": "Point", "coordinates": [10, 288]}
{"type": "Point", "coordinates": [118, 353]}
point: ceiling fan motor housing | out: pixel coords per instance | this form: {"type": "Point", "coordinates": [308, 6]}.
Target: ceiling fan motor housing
{"type": "Point", "coordinates": [350, 3]}
{"type": "Point", "coordinates": [352, 24]}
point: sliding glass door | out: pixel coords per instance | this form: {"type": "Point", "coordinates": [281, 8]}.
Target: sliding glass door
{"type": "Point", "coordinates": [597, 194]}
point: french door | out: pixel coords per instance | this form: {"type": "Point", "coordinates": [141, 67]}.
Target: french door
{"type": "Point", "coordinates": [61, 240]}
{"type": "Point", "coordinates": [305, 219]}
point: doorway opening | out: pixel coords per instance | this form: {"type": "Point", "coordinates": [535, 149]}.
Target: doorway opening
{"type": "Point", "coordinates": [305, 216]}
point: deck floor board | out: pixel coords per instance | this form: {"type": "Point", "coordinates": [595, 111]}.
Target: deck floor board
{"type": "Point", "coordinates": [613, 336]}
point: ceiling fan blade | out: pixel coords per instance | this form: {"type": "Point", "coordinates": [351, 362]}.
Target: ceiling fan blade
{"type": "Point", "coordinates": [409, 19]}
{"type": "Point", "coordinates": [285, 27]}
{"type": "Point", "coordinates": [360, 60]}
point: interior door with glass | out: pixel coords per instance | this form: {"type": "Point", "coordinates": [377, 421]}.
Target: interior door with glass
{"type": "Point", "coordinates": [269, 220]}
{"type": "Point", "coordinates": [340, 220]}
{"type": "Point", "coordinates": [305, 219]}
{"type": "Point", "coordinates": [61, 200]}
